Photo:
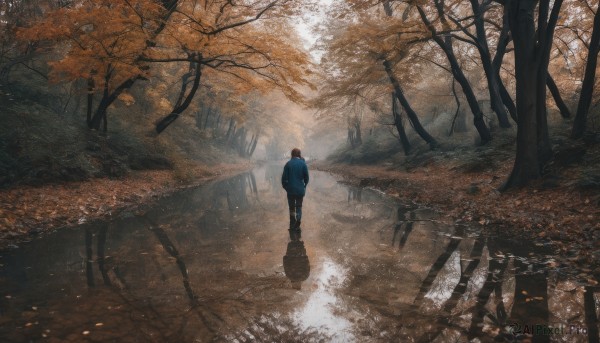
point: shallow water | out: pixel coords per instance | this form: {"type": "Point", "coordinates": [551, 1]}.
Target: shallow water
{"type": "Point", "coordinates": [217, 263]}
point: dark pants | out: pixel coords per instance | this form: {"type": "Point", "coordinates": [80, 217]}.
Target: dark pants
{"type": "Point", "coordinates": [295, 205]}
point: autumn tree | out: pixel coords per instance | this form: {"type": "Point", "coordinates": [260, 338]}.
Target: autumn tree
{"type": "Point", "coordinates": [362, 61]}
{"type": "Point", "coordinates": [104, 41]}
{"type": "Point", "coordinates": [15, 15]}
{"type": "Point", "coordinates": [113, 44]}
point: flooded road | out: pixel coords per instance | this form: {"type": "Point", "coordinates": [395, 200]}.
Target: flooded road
{"type": "Point", "coordinates": [218, 264]}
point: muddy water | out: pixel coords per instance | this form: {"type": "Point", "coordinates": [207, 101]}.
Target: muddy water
{"type": "Point", "coordinates": [217, 263]}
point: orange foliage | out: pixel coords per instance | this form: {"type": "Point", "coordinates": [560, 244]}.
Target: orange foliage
{"type": "Point", "coordinates": [113, 41]}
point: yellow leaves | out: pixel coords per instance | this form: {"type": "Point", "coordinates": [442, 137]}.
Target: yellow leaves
{"type": "Point", "coordinates": [106, 36]}
{"type": "Point", "coordinates": [165, 105]}
{"type": "Point", "coordinates": [127, 98]}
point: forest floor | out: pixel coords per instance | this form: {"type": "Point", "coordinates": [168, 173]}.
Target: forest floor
{"type": "Point", "coordinates": [29, 211]}
{"type": "Point", "coordinates": [562, 209]}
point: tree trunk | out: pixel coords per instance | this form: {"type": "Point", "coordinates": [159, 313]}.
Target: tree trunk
{"type": "Point", "coordinates": [400, 126]}
{"type": "Point", "coordinates": [564, 110]}
{"type": "Point", "coordinates": [526, 166]}
{"type": "Point", "coordinates": [217, 124]}
{"type": "Point", "coordinates": [107, 100]}
{"type": "Point", "coordinates": [242, 143]}
{"type": "Point", "coordinates": [90, 101]}
{"type": "Point", "coordinates": [351, 139]}
{"type": "Point", "coordinates": [233, 136]}
{"type": "Point", "coordinates": [457, 108]}
{"type": "Point", "coordinates": [208, 113]}
{"type": "Point", "coordinates": [484, 53]}
{"type": "Point", "coordinates": [478, 121]}
{"type": "Point", "coordinates": [239, 139]}
{"type": "Point", "coordinates": [532, 52]}
{"type": "Point", "coordinates": [545, 37]}
{"type": "Point", "coordinates": [446, 46]}
{"type": "Point", "coordinates": [170, 6]}
{"type": "Point", "coordinates": [410, 113]}
{"type": "Point", "coordinates": [503, 41]}
{"type": "Point", "coordinates": [199, 119]}
{"type": "Point", "coordinates": [230, 128]}
{"type": "Point", "coordinates": [587, 87]}
{"type": "Point", "coordinates": [196, 68]}
{"type": "Point", "coordinates": [251, 152]}
{"type": "Point", "coordinates": [249, 146]}
{"type": "Point", "coordinates": [358, 135]}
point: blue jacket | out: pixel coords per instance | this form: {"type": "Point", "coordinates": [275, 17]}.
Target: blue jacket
{"type": "Point", "coordinates": [295, 176]}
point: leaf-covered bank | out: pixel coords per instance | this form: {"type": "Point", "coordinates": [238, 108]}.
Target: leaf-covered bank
{"type": "Point", "coordinates": [30, 211]}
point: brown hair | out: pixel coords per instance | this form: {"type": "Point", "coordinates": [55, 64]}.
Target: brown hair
{"type": "Point", "coordinates": [295, 152]}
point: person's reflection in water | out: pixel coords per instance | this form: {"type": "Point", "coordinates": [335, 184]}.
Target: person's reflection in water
{"type": "Point", "coordinates": [295, 261]}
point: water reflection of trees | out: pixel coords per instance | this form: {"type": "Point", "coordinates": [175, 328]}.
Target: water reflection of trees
{"type": "Point", "coordinates": [354, 194]}
{"type": "Point", "coordinates": [236, 191]}
{"type": "Point", "coordinates": [498, 282]}
{"type": "Point", "coordinates": [100, 254]}
{"type": "Point", "coordinates": [164, 264]}
{"type": "Point", "coordinates": [273, 177]}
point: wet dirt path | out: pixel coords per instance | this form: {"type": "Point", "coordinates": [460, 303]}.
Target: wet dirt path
{"type": "Point", "coordinates": [217, 263]}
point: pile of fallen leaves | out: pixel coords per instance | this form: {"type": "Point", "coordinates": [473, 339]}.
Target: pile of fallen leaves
{"type": "Point", "coordinates": [27, 210]}
{"type": "Point", "coordinates": [554, 210]}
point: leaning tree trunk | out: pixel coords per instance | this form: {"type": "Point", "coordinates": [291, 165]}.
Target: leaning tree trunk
{"type": "Point", "coordinates": [558, 100]}
{"type": "Point", "coordinates": [446, 46]}
{"type": "Point", "coordinates": [488, 67]}
{"type": "Point", "coordinates": [107, 99]}
{"type": "Point", "coordinates": [503, 41]}
{"type": "Point", "coordinates": [181, 104]}
{"type": "Point", "coordinates": [457, 100]}
{"type": "Point", "coordinates": [249, 146]}
{"type": "Point", "coordinates": [410, 113]}
{"type": "Point", "coordinates": [478, 121]}
{"type": "Point", "coordinates": [400, 126]}
{"type": "Point", "coordinates": [253, 146]}
{"type": "Point", "coordinates": [587, 87]}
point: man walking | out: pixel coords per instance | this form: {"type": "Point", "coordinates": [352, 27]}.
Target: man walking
{"type": "Point", "coordinates": [294, 181]}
